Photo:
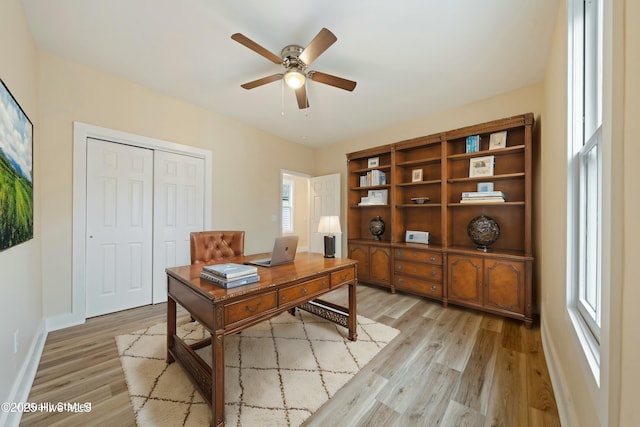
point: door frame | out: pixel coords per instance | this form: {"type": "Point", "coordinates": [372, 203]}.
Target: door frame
{"type": "Point", "coordinates": [82, 131]}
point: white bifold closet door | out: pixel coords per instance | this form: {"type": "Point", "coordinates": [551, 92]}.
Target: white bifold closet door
{"type": "Point", "coordinates": [141, 206]}
{"type": "Point", "coordinates": [178, 210]}
{"type": "Point", "coordinates": [119, 227]}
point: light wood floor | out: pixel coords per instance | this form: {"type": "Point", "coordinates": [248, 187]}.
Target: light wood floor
{"type": "Point", "coordinates": [448, 367]}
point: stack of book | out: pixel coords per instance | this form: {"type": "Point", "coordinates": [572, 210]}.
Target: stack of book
{"type": "Point", "coordinates": [373, 177]}
{"type": "Point", "coordinates": [230, 275]}
{"type": "Point", "coordinates": [483, 197]}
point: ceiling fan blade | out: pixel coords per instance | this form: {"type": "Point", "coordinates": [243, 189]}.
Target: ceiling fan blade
{"type": "Point", "coordinates": [245, 41]}
{"type": "Point", "coordinates": [301, 96]}
{"type": "Point", "coordinates": [318, 45]}
{"type": "Point", "coordinates": [330, 80]}
{"type": "Point", "coordinates": [262, 81]}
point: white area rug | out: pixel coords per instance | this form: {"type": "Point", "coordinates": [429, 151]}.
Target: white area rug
{"type": "Point", "coordinates": [277, 373]}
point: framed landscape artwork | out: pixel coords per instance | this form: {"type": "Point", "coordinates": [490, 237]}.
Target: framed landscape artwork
{"type": "Point", "coordinates": [16, 172]}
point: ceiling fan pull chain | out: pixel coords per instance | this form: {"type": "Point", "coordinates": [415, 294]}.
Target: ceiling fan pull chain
{"type": "Point", "coordinates": [282, 97]}
{"type": "Point", "coordinates": [306, 95]}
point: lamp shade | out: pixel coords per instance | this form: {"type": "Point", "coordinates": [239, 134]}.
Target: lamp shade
{"type": "Point", "coordinates": [294, 79]}
{"type": "Point", "coordinates": [329, 224]}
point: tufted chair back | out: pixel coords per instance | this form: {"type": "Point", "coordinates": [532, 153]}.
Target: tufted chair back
{"type": "Point", "coordinates": [211, 246]}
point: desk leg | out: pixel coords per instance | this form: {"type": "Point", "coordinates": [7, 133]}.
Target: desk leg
{"type": "Point", "coordinates": [171, 326]}
{"type": "Point", "coordinates": [353, 324]}
{"type": "Point", "coordinates": [217, 371]}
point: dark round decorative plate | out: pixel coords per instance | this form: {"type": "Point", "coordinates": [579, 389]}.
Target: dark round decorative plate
{"type": "Point", "coordinates": [483, 231]}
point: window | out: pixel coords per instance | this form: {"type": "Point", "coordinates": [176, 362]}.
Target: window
{"type": "Point", "coordinates": [287, 206]}
{"type": "Point", "coordinates": [585, 169]}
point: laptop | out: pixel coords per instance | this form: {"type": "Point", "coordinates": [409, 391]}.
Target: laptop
{"type": "Point", "coordinates": [284, 251]}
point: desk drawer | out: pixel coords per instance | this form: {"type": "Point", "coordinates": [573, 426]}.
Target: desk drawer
{"type": "Point", "coordinates": [249, 307]}
{"type": "Point", "coordinates": [414, 285]}
{"type": "Point", "coordinates": [425, 271]}
{"type": "Point", "coordinates": [342, 276]}
{"type": "Point", "coordinates": [303, 290]}
{"type": "Point", "coordinates": [418, 256]}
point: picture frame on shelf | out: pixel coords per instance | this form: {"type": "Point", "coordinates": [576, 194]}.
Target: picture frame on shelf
{"type": "Point", "coordinates": [373, 162]}
{"type": "Point", "coordinates": [416, 175]}
{"type": "Point", "coordinates": [481, 166]}
{"type": "Point", "coordinates": [485, 187]}
{"type": "Point", "coordinates": [498, 140]}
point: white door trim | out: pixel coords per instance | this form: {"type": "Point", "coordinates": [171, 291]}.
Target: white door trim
{"type": "Point", "coordinates": [82, 131]}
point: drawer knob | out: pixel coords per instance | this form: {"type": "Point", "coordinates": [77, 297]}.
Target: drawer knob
{"type": "Point", "coordinates": [399, 266]}
{"type": "Point", "coordinates": [433, 288]}
{"type": "Point", "coordinates": [251, 309]}
{"type": "Point", "coordinates": [433, 272]}
{"type": "Point", "coordinates": [400, 253]}
{"type": "Point", "coordinates": [401, 280]}
{"type": "Point", "coordinates": [304, 291]}
{"type": "Point", "coordinates": [432, 258]}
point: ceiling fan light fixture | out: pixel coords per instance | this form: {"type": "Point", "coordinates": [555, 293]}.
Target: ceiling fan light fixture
{"type": "Point", "coordinates": [294, 79]}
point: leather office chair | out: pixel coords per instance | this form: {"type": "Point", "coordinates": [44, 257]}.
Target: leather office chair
{"type": "Point", "coordinates": [213, 246]}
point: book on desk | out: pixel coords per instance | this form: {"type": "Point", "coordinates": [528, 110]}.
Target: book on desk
{"type": "Point", "coordinates": [228, 284]}
{"type": "Point", "coordinates": [230, 275]}
{"type": "Point", "coordinates": [231, 270]}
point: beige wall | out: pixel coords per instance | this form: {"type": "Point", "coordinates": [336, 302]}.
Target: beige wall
{"type": "Point", "coordinates": [246, 162]}
{"type": "Point", "coordinates": [21, 301]}
{"type": "Point", "coordinates": [630, 315]}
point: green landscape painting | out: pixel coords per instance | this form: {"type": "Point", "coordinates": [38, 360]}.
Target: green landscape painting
{"type": "Point", "coordinates": [16, 178]}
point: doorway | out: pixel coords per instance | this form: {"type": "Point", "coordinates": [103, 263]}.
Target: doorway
{"type": "Point", "coordinates": [304, 199]}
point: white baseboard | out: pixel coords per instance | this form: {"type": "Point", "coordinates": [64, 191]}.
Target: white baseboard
{"type": "Point", "coordinates": [24, 380]}
{"type": "Point", "coordinates": [63, 321]}
{"type": "Point", "coordinates": [558, 380]}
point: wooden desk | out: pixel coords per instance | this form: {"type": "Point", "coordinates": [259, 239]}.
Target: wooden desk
{"type": "Point", "coordinates": [223, 312]}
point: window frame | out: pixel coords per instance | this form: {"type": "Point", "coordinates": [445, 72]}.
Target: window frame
{"type": "Point", "coordinates": [585, 116]}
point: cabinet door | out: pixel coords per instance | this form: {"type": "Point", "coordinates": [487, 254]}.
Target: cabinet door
{"type": "Point", "coordinates": [465, 279]}
{"type": "Point", "coordinates": [504, 282]}
{"type": "Point", "coordinates": [360, 253]}
{"type": "Point", "coordinates": [380, 265]}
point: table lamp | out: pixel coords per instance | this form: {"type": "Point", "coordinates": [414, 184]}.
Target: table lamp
{"type": "Point", "coordinates": [329, 225]}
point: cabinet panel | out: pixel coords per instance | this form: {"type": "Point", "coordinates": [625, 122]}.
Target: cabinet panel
{"type": "Point", "coordinates": [360, 253]}
{"type": "Point", "coordinates": [465, 279]}
{"type": "Point", "coordinates": [374, 263]}
{"type": "Point", "coordinates": [504, 284]}
{"type": "Point", "coordinates": [380, 265]}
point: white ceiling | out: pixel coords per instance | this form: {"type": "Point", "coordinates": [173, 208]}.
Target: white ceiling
{"type": "Point", "coordinates": [410, 58]}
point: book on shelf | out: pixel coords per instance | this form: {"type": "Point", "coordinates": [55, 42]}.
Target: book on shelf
{"type": "Point", "coordinates": [231, 270]}
{"type": "Point", "coordinates": [482, 200]}
{"type": "Point", "coordinates": [473, 194]}
{"type": "Point", "coordinates": [473, 144]}
{"type": "Point", "coordinates": [228, 284]}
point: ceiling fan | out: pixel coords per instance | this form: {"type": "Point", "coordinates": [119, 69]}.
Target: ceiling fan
{"type": "Point", "coordinates": [295, 60]}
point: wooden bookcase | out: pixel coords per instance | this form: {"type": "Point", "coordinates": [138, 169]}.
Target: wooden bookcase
{"type": "Point", "coordinates": [450, 268]}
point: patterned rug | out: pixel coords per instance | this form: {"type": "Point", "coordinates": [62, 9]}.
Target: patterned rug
{"type": "Point", "coordinates": [277, 373]}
